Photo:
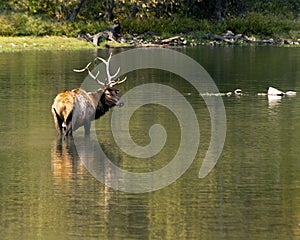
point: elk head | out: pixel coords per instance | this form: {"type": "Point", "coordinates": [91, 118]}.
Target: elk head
{"type": "Point", "coordinates": [109, 92]}
{"type": "Point", "coordinates": [110, 97]}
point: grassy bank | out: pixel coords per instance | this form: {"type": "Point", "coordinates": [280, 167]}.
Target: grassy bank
{"type": "Point", "coordinates": [13, 44]}
{"type": "Point", "coordinates": [26, 32]}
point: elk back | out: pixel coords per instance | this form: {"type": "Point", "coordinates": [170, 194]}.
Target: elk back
{"type": "Point", "coordinates": [84, 109]}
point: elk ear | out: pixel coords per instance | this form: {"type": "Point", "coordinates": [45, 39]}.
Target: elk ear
{"type": "Point", "coordinates": [117, 91]}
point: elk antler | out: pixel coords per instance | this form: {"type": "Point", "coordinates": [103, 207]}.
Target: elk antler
{"type": "Point", "coordinates": [109, 80]}
{"type": "Point", "coordinates": [90, 73]}
{"type": "Point", "coordinates": [118, 82]}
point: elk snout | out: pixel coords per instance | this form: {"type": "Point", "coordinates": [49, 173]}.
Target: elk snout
{"type": "Point", "coordinates": [120, 103]}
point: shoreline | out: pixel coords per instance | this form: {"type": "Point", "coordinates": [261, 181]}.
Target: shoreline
{"type": "Point", "coordinates": [25, 43]}
{"type": "Point", "coordinates": [227, 38]}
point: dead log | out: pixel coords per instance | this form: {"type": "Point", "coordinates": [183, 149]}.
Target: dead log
{"type": "Point", "coordinates": [98, 37]}
{"type": "Point", "coordinates": [106, 35]}
{"type": "Point", "coordinates": [110, 34]}
{"type": "Point", "coordinates": [171, 39]}
{"type": "Point", "coordinates": [213, 37]}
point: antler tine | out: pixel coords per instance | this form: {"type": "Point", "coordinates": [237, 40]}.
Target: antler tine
{"type": "Point", "coordinates": [109, 79]}
{"type": "Point", "coordinates": [84, 69]}
{"type": "Point", "coordinates": [90, 73]}
{"type": "Point", "coordinates": [118, 82]}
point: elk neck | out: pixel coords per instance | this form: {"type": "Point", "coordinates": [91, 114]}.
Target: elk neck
{"type": "Point", "coordinates": [101, 107]}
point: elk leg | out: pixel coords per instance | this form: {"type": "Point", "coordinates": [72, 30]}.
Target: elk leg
{"type": "Point", "coordinates": [58, 122]}
{"type": "Point", "coordinates": [69, 125]}
{"type": "Point", "coordinates": [87, 127]}
{"type": "Point", "coordinates": [68, 129]}
{"type": "Point", "coordinates": [58, 127]}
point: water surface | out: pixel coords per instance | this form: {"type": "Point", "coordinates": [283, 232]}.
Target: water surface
{"type": "Point", "coordinates": [252, 193]}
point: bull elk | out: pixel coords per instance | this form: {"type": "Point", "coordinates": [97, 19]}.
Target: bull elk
{"type": "Point", "coordinates": [76, 108]}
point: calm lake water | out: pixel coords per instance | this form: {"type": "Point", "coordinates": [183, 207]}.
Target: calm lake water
{"type": "Point", "coordinates": [252, 193]}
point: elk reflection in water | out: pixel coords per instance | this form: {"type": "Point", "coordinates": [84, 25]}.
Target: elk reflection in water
{"type": "Point", "coordinates": [70, 174]}
{"type": "Point", "coordinates": [65, 160]}
{"type": "Point", "coordinates": [69, 159]}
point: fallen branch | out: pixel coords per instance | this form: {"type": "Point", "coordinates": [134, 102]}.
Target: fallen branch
{"type": "Point", "coordinates": [171, 39]}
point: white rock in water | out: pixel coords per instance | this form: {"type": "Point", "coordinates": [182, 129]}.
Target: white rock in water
{"type": "Point", "coordinates": [238, 92]}
{"type": "Point", "coordinates": [291, 93]}
{"type": "Point", "coordinates": [275, 92]}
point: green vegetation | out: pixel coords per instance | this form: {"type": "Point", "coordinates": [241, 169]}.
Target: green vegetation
{"type": "Point", "coordinates": [18, 24]}
{"type": "Point", "coordinates": [261, 18]}
{"type": "Point", "coordinates": [252, 23]}
{"type": "Point", "coordinates": [13, 44]}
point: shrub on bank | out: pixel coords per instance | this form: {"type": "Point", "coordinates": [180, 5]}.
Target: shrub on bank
{"type": "Point", "coordinates": [165, 26]}
{"type": "Point", "coordinates": [262, 25]}
{"type": "Point", "coordinates": [251, 24]}
{"type": "Point", "coordinates": [24, 25]}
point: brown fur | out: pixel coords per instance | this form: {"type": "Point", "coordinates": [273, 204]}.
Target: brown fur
{"type": "Point", "coordinates": [76, 108]}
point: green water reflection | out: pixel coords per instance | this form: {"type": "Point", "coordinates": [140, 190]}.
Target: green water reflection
{"type": "Point", "coordinates": [252, 193]}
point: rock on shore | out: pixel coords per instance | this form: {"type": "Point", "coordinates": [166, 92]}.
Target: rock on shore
{"type": "Point", "coordinates": [228, 38]}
